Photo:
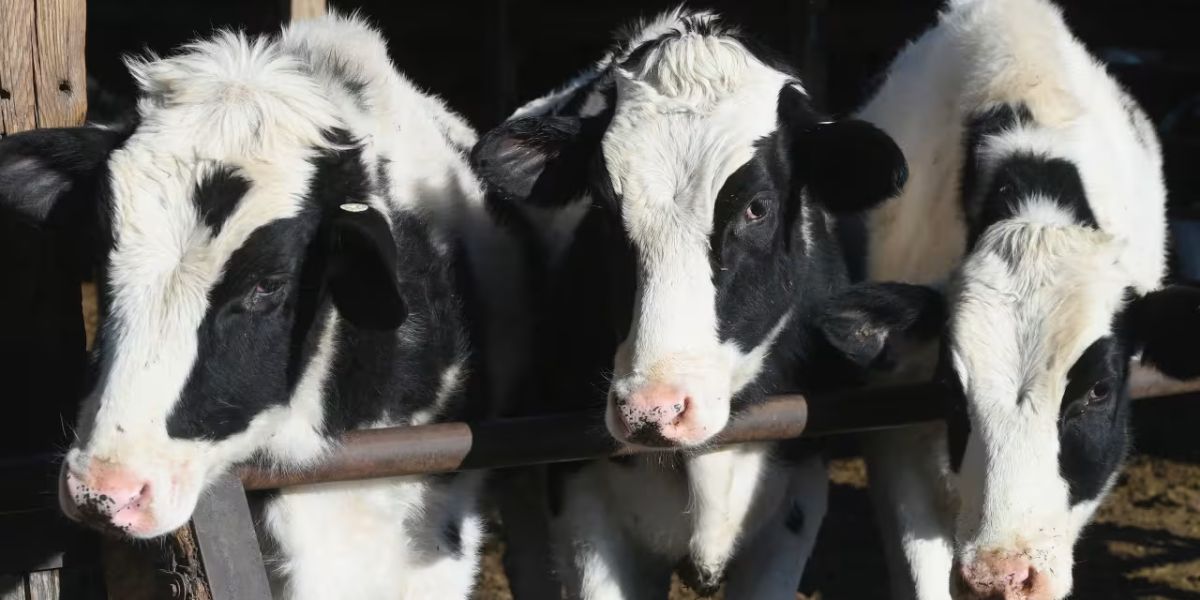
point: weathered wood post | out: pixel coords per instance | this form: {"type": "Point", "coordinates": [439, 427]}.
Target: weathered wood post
{"type": "Point", "coordinates": [42, 84]}
{"type": "Point", "coordinates": [306, 9]}
{"type": "Point", "coordinates": [42, 74]}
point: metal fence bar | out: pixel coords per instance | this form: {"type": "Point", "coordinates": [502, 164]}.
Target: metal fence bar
{"type": "Point", "coordinates": [446, 447]}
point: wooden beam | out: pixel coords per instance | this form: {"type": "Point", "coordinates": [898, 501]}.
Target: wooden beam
{"type": "Point", "coordinates": [59, 73]}
{"type": "Point", "coordinates": [306, 9]}
{"type": "Point", "coordinates": [43, 82]}
{"type": "Point", "coordinates": [18, 111]}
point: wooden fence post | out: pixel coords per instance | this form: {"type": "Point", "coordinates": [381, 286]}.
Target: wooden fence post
{"type": "Point", "coordinates": [43, 81]}
{"type": "Point", "coordinates": [306, 9]}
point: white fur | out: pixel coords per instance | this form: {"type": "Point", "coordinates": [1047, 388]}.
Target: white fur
{"type": "Point", "coordinates": [1015, 331]}
{"type": "Point", "coordinates": [624, 527]}
{"type": "Point", "coordinates": [262, 106]}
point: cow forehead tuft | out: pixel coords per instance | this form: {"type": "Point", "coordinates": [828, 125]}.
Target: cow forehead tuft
{"type": "Point", "coordinates": [1029, 300]}
{"type": "Point", "coordinates": [231, 97]}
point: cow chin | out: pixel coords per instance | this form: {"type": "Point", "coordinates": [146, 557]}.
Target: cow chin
{"type": "Point", "coordinates": [137, 502]}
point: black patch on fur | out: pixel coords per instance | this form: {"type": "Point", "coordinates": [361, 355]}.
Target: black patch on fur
{"type": "Point", "coordinates": [795, 519]}
{"type": "Point", "coordinates": [1016, 177]}
{"type": "Point", "coordinates": [218, 194]}
{"type": "Point", "coordinates": [251, 355]}
{"type": "Point", "coordinates": [981, 125]}
{"type": "Point", "coordinates": [241, 366]}
{"type": "Point", "coordinates": [1020, 176]}
{"type": "Point", "coordinates": [452, 535]}
{"type": "Point", "coordinates": [1093, 428]}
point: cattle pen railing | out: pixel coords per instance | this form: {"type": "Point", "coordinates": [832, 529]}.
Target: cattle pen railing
{"type": "Point", "coordinates": [228, 546]}
{"type": "Point", "coordinates": [217, 555]}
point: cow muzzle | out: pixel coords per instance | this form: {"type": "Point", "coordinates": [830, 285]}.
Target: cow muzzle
{"type": "Point", "coordinates": [1000, 576]}
{"type": "Point", "coordinates": [118, 499]}
{"type": "Point", "coordinates": [665, 415]}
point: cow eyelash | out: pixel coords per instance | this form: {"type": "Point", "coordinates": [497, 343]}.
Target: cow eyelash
{"type": "Point", "coordinates": [756, 209]}
{"type": "Point", "coordinates": [1098, 395]}
{"type": "Point", "coordinates": [264, 291]}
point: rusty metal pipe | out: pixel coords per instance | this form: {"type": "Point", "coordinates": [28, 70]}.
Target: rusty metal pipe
{"type": "Point", "coordinates": [446, 447]}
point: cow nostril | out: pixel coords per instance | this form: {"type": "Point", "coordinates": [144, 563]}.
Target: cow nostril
{"type": "Point", "coordinates": [680, 410]}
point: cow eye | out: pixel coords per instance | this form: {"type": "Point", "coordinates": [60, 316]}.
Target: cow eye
{"type": "Point", "coordinates": [1099, 393]}
{"type": "Point", "coordinates": [757, 209]}
{"type": "Point", "coordinates": [265, 293]}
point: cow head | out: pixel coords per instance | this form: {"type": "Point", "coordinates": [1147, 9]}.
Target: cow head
{"type": "Point", "coordinates": [719, 180]}
{"type": "Point", "coordinates": [1042, 326]}
{"type": "Point", "coordinates": [226, 222]}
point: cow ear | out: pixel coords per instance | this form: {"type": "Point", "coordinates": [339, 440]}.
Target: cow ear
{"type": "Point", "coordinates": [362, 269]}
{"type": "Point", "coordinates": [1165, 325]}
{"type": "Point", "coordinates": [537, 160]}
{"type": "Point", "coordinates": [849, 165]}
{"type": "Point", "coordinates": [47, 176]}
{"type": "Point", "coordinates": [864, 320]}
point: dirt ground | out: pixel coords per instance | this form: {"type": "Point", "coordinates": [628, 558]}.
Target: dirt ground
{"type": "Point", "coordinates": [1144, 545]}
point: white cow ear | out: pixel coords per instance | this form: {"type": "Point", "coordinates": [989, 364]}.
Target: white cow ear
{"type": "Point", "coordinates": [47, 175]}
{"type": "Point", "coordinates": [539, 160]}
{"type": "Point", "coordinates": [363, 269]}
{"type": "Point", "coordinates": [1165, 326]}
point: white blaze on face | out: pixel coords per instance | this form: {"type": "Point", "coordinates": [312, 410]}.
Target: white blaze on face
{"type": "Point", "coordinates": [1027, 303]}
{"type": "Point", "coordinates": [164, 263]}
{"type": "Point", "coordinates": [683, 122]}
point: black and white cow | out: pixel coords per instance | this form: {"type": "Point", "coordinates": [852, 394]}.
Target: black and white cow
{"type": "Point", "coordinates": [681, 195]}
{"type": "Point", "coordinates": [1036, 193]}
{"type": "Point", "coordinates": [279, 235]}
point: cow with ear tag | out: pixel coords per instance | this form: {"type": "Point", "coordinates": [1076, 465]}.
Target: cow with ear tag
{"type": "Point", "coordinates": [282, 237]}
{"type": "Point", "coordinates": [1036, 196]}
{"type": "Point", "coordinates": [682, 198]}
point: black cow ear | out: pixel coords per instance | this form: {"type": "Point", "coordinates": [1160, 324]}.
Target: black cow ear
{"type": "Point", "coordinates": [363, 272]}
{"type": "Point", "coordinates": [46, 174]}
{"type": "Point", "coordinates": [539, 160]}
{"type": "Point", "coordinates": [1165, 326]}
{"type": "Point", "coordinates": [849, 165]}
{"type": "Point", "coordinates": [864, 320]}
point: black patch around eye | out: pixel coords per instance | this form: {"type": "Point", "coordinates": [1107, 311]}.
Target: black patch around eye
{"type": "Point", "coordinates": [981, 125]}
{"type": "Point", "coordinates": [1019, 177]}
{"type": "Point", "coordinates": [243, 357]}
{"type": "Point", "coordinates": [218, 194]}
{"type": "Point", "coordinates": [1093, 431]}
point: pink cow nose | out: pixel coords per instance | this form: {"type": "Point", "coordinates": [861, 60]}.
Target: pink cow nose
{"type": "Point", "coordinates": [997, 577]}
{"type": "Point", "coordinates": [650, 415]}
{"type": "Point", "coordinates": [108, 496]}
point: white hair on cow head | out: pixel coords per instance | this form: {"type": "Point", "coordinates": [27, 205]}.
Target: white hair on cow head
{"type": "Point", "coordinates": [232, 97]}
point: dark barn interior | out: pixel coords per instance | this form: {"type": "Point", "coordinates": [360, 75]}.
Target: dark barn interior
{"type": "Point", "coordinates": [488, 57]}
